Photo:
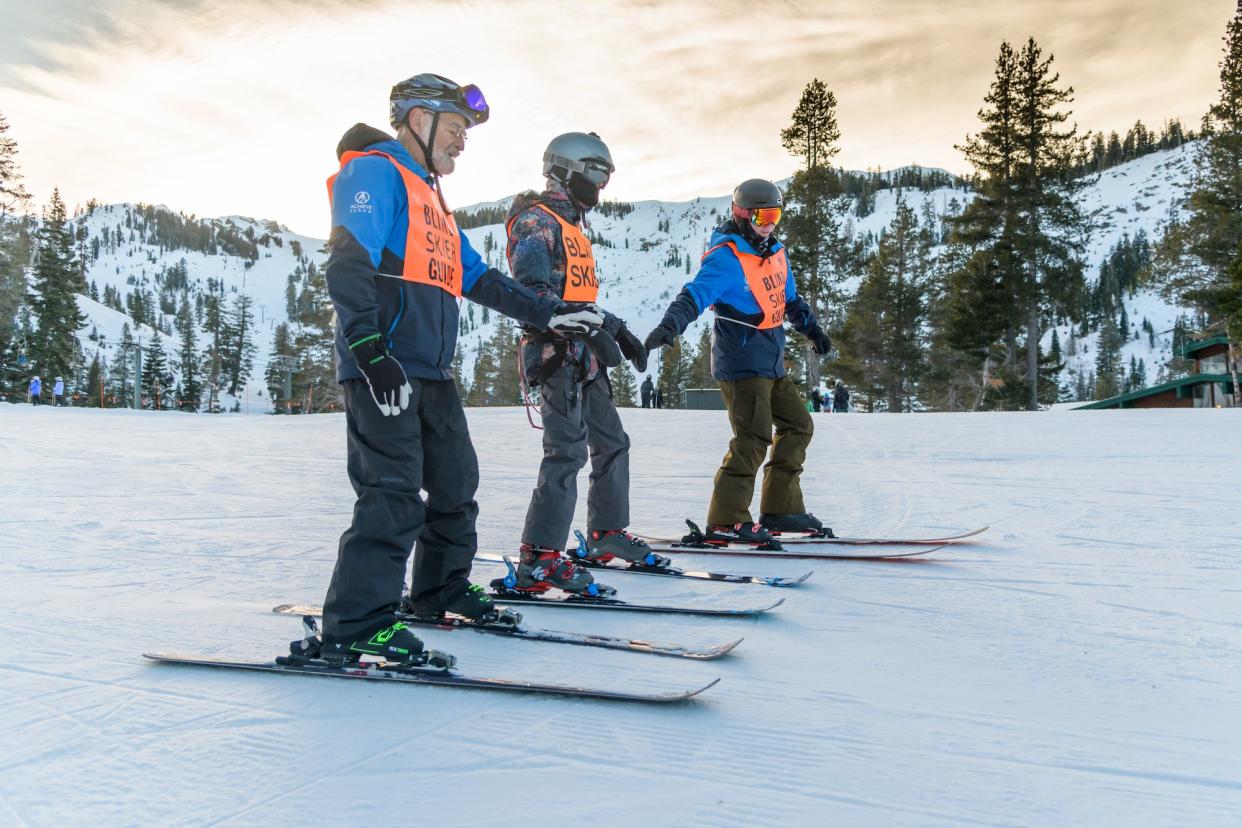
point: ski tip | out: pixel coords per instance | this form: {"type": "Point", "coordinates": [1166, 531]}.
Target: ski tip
{"type": "Point", "coordinates": [282, 608]}
{"type": "Point", "coordinates": [804, 576]}
{"type": "Point", "coordinates": [771, 606]}
{"type": "Point", "coordinates": [690, 694]}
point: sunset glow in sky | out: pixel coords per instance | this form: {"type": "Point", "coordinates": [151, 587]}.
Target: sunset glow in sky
{"type": "Point", "coordinates": [220, 107]}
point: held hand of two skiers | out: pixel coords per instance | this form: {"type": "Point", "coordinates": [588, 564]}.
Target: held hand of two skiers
{"type": "Point", "coordinates": [575, 319]}
{"type": "Point", "coordinates": [661, 336]}
{"type": "Point", "coordinates": [632, 349]}
{"type": "Point", "coordinates": [820, 341]}
{"type": "Point", "coordinates": [390, 388]}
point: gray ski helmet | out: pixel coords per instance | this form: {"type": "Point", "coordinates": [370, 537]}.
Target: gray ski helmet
{"type": "Point", "coordinates": [757, 192]}
{"type": "Point", "coordinates": [578, 152]}
{"type": "Point", "coordinates": [438, 94]}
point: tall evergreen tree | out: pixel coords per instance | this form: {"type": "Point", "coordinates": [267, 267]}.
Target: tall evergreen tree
{"type": "Point", "coordinates": [282, 360]}
{"type": "Point", "coordinates": [816, 227]}
{"type": "Point", "coordinates": [1024, 227]}
{"type": "Point", "coordinates": [57, 281]}
{"type": "Point", "coordinates": [701, 367]}
{"type": "Point", "coordinates": [13, 194]}
{"type": "Point", "coordinates": [155, 373]}
{"type": "Point", "coordinates": [1198, 257]}
{"type": "Point", "coordinates": [239, 353]}
{"type": "Point", "coordinates": [91, 393]}
{"type": "Point", "coordinates": [883, 343]}
{"type": "Point", "coordinates": [624, 387]}
{"type": "Point", "coordinates": [190, 390]}
{"type": "Point", "coordinates": [675, 368]}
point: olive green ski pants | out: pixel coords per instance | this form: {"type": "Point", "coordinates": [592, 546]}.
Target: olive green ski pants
{"type": "Point", "coordinates": [756, 404]}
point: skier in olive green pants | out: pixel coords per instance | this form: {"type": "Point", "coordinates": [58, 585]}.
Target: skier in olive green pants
{"type": "Point", "coordinates": [745, 278]}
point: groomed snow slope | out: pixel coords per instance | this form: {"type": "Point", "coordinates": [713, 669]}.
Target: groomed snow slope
{"type": "Point", "coordinates": [1078, 666]}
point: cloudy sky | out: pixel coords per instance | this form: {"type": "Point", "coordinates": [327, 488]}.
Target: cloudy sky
{"type": "Point", "coordinates": [220, 107]}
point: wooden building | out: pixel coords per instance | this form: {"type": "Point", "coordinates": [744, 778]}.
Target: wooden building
{"type": "Point", "coordinates": [1209, 386]}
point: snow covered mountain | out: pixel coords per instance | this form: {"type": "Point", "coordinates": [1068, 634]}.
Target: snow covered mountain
{"type": "Point", "coordinates": [645, 252]}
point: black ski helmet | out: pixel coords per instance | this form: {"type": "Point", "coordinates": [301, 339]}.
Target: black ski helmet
{"type": "Point", "coordinates": [757, 192]}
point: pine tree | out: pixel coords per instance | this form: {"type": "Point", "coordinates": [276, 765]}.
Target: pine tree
{"type": "Point", "coordinates": [459, 365]}
{"type": "Point", "coordinates": [281, 361]}
{"type": "Point", "coordinates": [12, 193]}
{"type": "Point", "coordinates": [1108, 361]}
{"type": "Point", "coordinates": [155, 372]}
{"type": "Point", "coordinates": [93, 377]}
{"type": "Point", "coordinates": [1198, 257]}
{"type": "Point", "coordinates": [57, 281]}
{"type": "Point", "coordinates": [1024, 225]}
{"type": "Point", "coordinates": [882, 343]}
{"type": "Point", "coordinates": [239, 352]}
{"type": "Point", "coordinates": [624, 387]}
{"type": "Point", "coordinates": [483, 382]}
{"type": "Point", "coordinates": [701, 367]}
{"type": "Point", "coordinates": [506, 387]}
{"type": "Point", "coordinates": [816, 229]}
{"type": "Point", "coordinates": [675, 368]}
{"type": "Point", "coordinates": [191, 386]}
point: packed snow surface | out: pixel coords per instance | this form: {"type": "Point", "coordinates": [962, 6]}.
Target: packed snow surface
{"type": "Point", "coordinates": [1078, 665]}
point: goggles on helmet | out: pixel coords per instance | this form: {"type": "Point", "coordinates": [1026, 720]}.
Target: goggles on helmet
{"type": "Point", "coordinates": [469, 97]}
{"type": "Point", "coordinates": [593, 170]}
{"type": "Point", "coordinates": [761, 216]}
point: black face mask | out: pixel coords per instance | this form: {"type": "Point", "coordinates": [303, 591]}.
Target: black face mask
{"type": "Point", "coordinates": [583, 191]}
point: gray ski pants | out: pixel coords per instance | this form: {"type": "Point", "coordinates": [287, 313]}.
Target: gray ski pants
{"type": "Point", "coordinates": [390, 459]}
{"type": "Point", "coordinates": [578, 418]}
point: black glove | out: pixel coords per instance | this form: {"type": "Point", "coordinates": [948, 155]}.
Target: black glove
{"type": "Point", "coordinates": [661, 336]}
{"type": "Point", "coordinates": [602, 345]}
{"type": "Point", "coordinates": [820, 341]}
{"type": "Point", "coordinates": [390, 388]}
{"type": "Point", "coordinates": [632, 349]}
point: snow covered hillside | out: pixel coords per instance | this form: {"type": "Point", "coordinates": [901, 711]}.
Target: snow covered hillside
{"type": "Point", "coordinates": [1077, 666]}
{"type": "Point", "coordinates": [644, 257]}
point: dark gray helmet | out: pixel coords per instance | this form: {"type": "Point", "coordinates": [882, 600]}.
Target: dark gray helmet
{"type": "Point", "coordinates": [578, 152]}
{"type": "Point", "coordinates": [757, 192]}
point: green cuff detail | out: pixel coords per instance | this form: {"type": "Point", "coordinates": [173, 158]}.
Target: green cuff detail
{"type": "Point", "coordinates": [364, 339]}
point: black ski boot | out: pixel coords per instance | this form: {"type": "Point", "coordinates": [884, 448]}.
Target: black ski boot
{"type": "Point", "coordinates": [746, 532]}
{"type": "Point", "coordinates": [390, 640]}
{"type": "Point", "coordinates": [804, 522]}
{"type": "Point", "coordinates": [462, 598]}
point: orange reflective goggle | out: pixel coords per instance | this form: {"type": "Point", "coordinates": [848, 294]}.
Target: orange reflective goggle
{"type": "Point", "coordinates": [766, 215]}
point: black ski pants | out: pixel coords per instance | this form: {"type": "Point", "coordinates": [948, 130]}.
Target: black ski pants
{"type": "Point", "coordinates": [390, 459]}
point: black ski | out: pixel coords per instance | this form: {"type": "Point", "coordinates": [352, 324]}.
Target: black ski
{"type": "Point", "coordinates": [618, 565]}
{"type": "Point", "coordinates": [456, 622]}
{"type": "Point", "coordinates": [510, 596]}
{"type": "Point", "coordinates": [386, 671]}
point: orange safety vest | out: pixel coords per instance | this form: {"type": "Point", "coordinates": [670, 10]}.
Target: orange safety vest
{"type": "Point", "coordinates": [580, 282]}
{"type": "Point", "coordinates": [432, 245]}
{"type": "Point", "coordinates": [766, 279]}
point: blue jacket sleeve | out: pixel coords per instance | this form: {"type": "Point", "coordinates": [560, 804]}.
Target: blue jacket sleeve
{"type": "Point", "coordinates": [367, 196]}
{"type": "Point", "coordinates": [497, 291]}
{"type": "Point", "coordinates": [472, 264]}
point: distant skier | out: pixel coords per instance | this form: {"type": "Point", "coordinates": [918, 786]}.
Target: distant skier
{"type": "Point", "coordinates": [648, 390]}
{"type": "Point", "coordinates": [397, 270]}
{"type": "Point", "coordinates": [58, 392]}
{"type": "Point", "coordinates": [36, 391]}
{"type": "Point", "coordinates": [840, 398]}
{"type": "Point", "coordinates": [815, 400]}
{"type": "Point", "coordinates": [745, 277]}
{"type": "Point", "coordinates": [550, 254]}
{"type": "Point", "coordinates": [659, 397]}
